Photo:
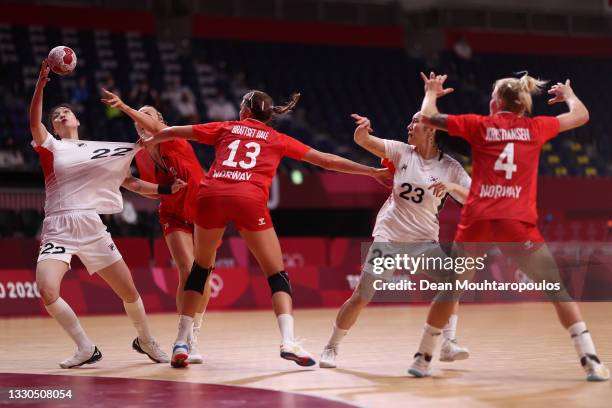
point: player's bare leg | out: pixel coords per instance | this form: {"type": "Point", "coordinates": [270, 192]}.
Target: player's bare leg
{"type": "Point", "coordinates": [119, 278]}
{"type": "Point", "coordinates": [540, 265]}
{"type": "Point", "coordinates": [180, 244]}
{"type": "Point", "coordinates": [206, 242]}
{"type": "Point", "coordinates": [265, 247]}
{"type": "Point", "coordinates": [49, 275]}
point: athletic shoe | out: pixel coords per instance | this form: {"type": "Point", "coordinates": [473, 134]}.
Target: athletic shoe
{"type": "Point", "coordinates": [594, 369]}
{"type": "Point", "coordinates": [452, 351]}
{"type": "Point", "coordinates": [151, 349]}
{"type": "Point", "coordinates": [86, 356]}
{"type": "Point", "coordinates": [294, 351]}
{"type": "Point", "coordinates": [328, 357]}
{"type": "Point", "coordinates": [195, 357]}
{"type": "Point", "coordinates": [180, 354]}
{"type": "Point", "coordinates": [420, 365]}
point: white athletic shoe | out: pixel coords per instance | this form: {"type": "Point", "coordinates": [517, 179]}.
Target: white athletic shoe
{"type": "Point", "coordinates": [86, 356]}
{"type": "Point", "coordinates": [294, 351]}
{"type": "Point", "coordinates": [328, 357]}
{"type": "Point", "coordinates": [420, 366]}
{"type": "Point", "coordinates": [195, 357]}
{"type": "Point", "coordinates": [180, 354]}
{"type": "Point", "coordinates": [151, 349]}
{"type": "Point", "coordinates": [452, 351]}
{"type": "Point", "coordinates": [595, 370]}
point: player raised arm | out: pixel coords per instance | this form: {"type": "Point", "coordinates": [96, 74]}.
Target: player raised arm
{"type": "Point", "coordinates": [333, 162]}
{"type": "Point", "coordinates": [143, 120]}
{"type": "Point", "coordinates": [170, 133]}
{"type": "Point", "coordinates": [151, 190]}
{"type": "Point", "coordinates": [39, 132]}
{"type": "Point", "coordinates": [363, 138]}
{"type": "Point", "coordinates": [578, 114]}
{"type": "Point", "coordinates": [434, 89]}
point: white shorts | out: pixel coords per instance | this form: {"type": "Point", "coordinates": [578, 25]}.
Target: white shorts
{"type": "Point", "coordinates": [382, 248]}
{"type": "Point", "coordinates": [79, 233]}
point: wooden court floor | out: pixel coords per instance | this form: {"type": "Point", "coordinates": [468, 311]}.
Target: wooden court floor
{"type": "Point", "coordinates": [521, 357]}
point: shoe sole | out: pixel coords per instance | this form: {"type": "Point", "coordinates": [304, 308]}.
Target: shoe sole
{"type": "Point", "coordinates": [301, 361]}
{"type": "Point", "coordinates": [179, 360]}
{"type": "Point", "coordinates": [416, 373]}
{"type": "Point", "coordinates": [136, 347]}
{"type": "Point", "coordinates": [597, 378]}
{"type": "Point", "coordinates": [95, 357]}
{"type": "Point", "coordinates": [462, 355]}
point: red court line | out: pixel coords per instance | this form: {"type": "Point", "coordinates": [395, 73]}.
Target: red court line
{"type": "Point", "coordinates": [121, 392]}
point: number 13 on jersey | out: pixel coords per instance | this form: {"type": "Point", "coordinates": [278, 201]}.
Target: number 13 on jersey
{"type": "Point", "coordinates": [506, 155]}
{"type": "Point", "coordinates": [253, 150]}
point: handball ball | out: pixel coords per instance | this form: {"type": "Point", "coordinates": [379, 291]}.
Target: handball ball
{"type": "Point", "coordinates": [62, 60]}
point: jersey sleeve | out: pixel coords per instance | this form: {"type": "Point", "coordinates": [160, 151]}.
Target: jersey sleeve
{"type": "Point", "coordinates": [460, 176]}
{"type": "Point", "coordinates": [546, 127]}
{"type": "Point", "coordinates": [207, 133]}
{"type": "Point", "coordinates": [50, 143]}
{"type": "Point", "coordinates": [293, 147]}
{"type": "Point", "coordinates": [464, 126]}
{"type": "Point", "coordinates": [393, 150]}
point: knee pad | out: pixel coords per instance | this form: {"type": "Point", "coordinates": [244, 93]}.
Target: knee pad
{"type": "Point", "coordinates": [279, 282]}
{"type": "Point", "coordinates": [197, 278]}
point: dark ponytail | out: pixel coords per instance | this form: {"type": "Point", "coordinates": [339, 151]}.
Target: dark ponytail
{"type": "Point", "coordinates": [262, 106]}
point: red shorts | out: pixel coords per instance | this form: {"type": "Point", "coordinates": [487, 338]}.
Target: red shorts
{"type": "Point", "coordinates": [171, 223]}
{"type": "Point", "coordinates": [494, 231]}
{"type": "Point", "coordinates": [246, 213]}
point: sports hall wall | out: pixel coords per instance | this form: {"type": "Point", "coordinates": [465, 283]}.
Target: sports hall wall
{"type": "Point", "coordinates": [324, 269]}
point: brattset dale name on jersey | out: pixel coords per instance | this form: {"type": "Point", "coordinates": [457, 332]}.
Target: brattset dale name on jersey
{"type": "Point", "coordinates": [232, 175]}
{"type": "Point", "coordinates": [502, 135]}
{"type": "Point", "coordinates": [250, 132]}
{"type": "Point", "coordinates": [497, 191]}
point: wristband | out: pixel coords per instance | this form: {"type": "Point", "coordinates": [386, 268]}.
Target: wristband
{"type": "Point", "coordinates": [164, 189]}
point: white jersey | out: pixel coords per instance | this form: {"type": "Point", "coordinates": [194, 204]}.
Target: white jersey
{"type": "Point", "coordinates": [410, 214]}
{"type": "Point", "coordinates": [83, 174]}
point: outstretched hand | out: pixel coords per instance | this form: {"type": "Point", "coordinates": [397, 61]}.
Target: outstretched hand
{"type": "Point", "coordinates": [43, 75]}
{"type": "Point", "coordinates": [112, 100]}
{"type": "Point", "coordinates": [435, 83]}
{"type": "Point", "coordinates": [362, 122]}
{"type": "Point", "coordinates": [383, 177]}
{"type": "Point", "coordinates": [560, 91]}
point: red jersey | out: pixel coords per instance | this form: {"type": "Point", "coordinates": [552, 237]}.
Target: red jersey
{"type": "Point", "coordinates": [247, 154]}
{"type": "Point", "coordinates": [177, 160]}
{"type": "Point", "coordinates": [505, 156]}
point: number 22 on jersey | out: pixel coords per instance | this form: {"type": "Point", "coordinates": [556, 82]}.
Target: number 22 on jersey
{"type": "Point", "coordinates": [506, 155]}
{"type": "Point", "coordinates": [253, 150]}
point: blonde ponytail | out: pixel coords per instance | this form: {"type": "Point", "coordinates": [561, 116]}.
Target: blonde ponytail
{"type": "Point", "coordinates": [515, 93]}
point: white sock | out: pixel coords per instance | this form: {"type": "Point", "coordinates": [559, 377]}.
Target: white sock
{"type": "Point", "coordinates": [450, 330]}
{"type": "Point", "coordinates": [65, 316]}
{"type": "Point", "coordinates": [583, 343]}
{"type": "Point", "coordinates": [337, 335]}
{"type": "Point", "coordinates": [184, 328]}
{"type": "Point", "coordinates": [197, 320]}
{"type": "Point", "coordinates": [285, 324]}
{"type": "Point", "coordinates": [136, 313]}
{"type": "Point", "coordinates": [429, 339]}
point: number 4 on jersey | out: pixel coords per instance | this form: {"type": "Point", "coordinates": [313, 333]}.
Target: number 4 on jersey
{"type": "Point", "coordinates": [508, 155]}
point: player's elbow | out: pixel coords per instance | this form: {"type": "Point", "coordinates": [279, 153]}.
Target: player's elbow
{"type": "Point", "coordinates": [584, 117]}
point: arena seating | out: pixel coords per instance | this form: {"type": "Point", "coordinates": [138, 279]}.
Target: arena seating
{"type": "Point", "coordinates": [335, 81]}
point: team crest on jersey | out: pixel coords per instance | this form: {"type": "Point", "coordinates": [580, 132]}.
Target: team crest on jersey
{"type": "Point", "coordinates": [432, 179]}
{"type": "Point", "coordinates": [404, 167]}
